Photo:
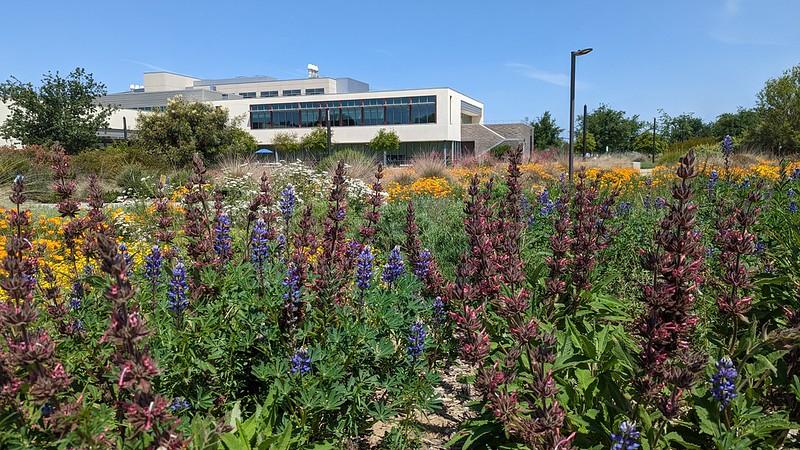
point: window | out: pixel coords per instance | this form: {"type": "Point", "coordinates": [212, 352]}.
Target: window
{"type": "Point", "coordinates": [291, 92]}
{"type": "Point", "coordinates": [423, 113]}
{"type": "Point", "coordinates": [269, 93]}
{"type": "Point", "coordinates": [248, 94]}
{"type": "Point", "coordinates": [315, 91]}
{"type": "Point", "coordinates": [373, 115]}
{"type": "Point", "coordinates": [345, 113]}
{"type": "Point", "coordinates": [397, 114]}
{"type": "Point", "coordinates": [224, 96]}
{"type": "Point", "coordinates": [310, 117]}
{"type": "Point", "coordinates": [260, 120]}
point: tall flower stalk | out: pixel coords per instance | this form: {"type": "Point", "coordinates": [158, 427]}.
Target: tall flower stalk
{"type": "Point", "coordinates": [137, 403]}
{"type": "Point", "coordinates": [29, 369]}
{"type": "Point", "coordinates": [373, 215]}
{"type": "Point", "coordinates": [669, 363]}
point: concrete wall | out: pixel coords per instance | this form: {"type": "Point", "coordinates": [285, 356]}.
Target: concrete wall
{"type": "Point", "coordinates": [4, 112]}
{"type": "Point", "coordinates": [166, 81]}
{"type": "Point", "coordinates": [329, 84]}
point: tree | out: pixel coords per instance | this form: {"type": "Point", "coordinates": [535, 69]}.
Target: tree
{"type": "Point", "coordinates": [683, 127]}
{"type": "Point", "coordinates": [644, 143]}
{"type": "Point", "coordinates": [546, 132]}
{"type": "Point", "coordinates": [61, 109]}
{"type": "Point", "coordinates": [184, 128]}
{"type": "Point", "coordinates": [778, 112]}
{"type": "Point", "coordinates": [316, 141]}
{"type": "Point", "coordinates": [734, 124]}
{"type": "Point", "coordinates": [611, 128]}
{"type": "Point", "coordinates": [385, 141]}
{"type": "Point", "coordinates": [285, 142]}
{"type": "Point", "coordinates": [591, 142]}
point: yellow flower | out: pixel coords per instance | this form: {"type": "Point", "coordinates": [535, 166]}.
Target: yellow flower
{"type": "Point", "coordinates": [432, 186]}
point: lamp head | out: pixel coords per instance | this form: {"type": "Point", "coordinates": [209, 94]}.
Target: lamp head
{"type": "Point", "coordinates": [582, 51]}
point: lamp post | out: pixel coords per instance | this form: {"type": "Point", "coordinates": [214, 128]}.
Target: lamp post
{"type": "Point", "coordinates": [574, 54]}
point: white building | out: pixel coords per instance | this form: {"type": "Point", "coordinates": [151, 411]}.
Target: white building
{"type": "Point", "coordinates": [426, 120]}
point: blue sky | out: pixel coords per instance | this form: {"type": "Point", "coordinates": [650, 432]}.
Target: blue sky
{"type": "Point", "coordinates": [701, 56]}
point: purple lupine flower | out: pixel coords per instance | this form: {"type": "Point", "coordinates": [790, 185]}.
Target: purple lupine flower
{"type": "Point", "coordinates": [627, 438]}
{"type": "Point", "coordinates": [727, 145]}
{"type": "Point", "coordinates": [661, 202]}
{"type": "Point", "coordinates": [623, 208]}
{"type": "Point", "coordinates": [287, 203]}
{"type": "Point", "coordinates": [745, 184]}
{"type": "Point", "coordinates": [280, 244]}
{"type": "Point", "coordinates": [416, 340]}
{"type": "Point", "coordinates": [47, 409]}
{"type": "Point", "coordinates": [546, 205]}
{"type": "Point", "coordinates": [259, 245]}
{"type": "Point", "coordinates": [300, 362]}
{"type": "Point", "coordinates": [152, 265]}
{"type": "Point", "coordinates": [713, 178]}
{"type": "Point", "coordinates": [439, 314]}
{"type": "Point", "coordinates": [761, 247]}
{"type": "Point", "coordinates": [647, 201]}
{"type": "Point", "coordinates": [364, 268]}
{"type": "Point", "coordinates": [795, 174]}
{"type": "Point", "coordinates": [123, 250]}
{"type": "Point", "coordinates": [176, 294]}
{"type": "Point", "coordinates": [222, 238]}
{"type": "Point", "coordinates": [723, 387]}
{"type": "Point", "coordinates": [423, 265]}
{"type": "Point", "coordinates": [394, 266]}
{"type": "Point", "coordinates": [76, 295]}
{"type": "Point", "coordinates": [88, 270]}
{"type": "Point", "coordinates": [292, 283]}
{"type": "Point", "coordinates": [179, 404]}
{"type": "Point", "coordinates": [792, 202]}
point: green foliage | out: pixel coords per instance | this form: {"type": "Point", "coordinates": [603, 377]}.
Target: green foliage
{"type": "Point", "coordinates": [500, 151]}
{"type": "Point", "coordinates": [547, 133]}
{"type": "Point", "coordinates": [185, 128]}
{"type": "Point", "coordinates": [385, 141]}
{"type": "Point", "coordinates": [315, 141]}
{"type": "Point", "coordinates": [61, 109]}
{"type": "Point", "coordinates": [591, 142]}
{"type": "Point", "coordinates": [107, 162]}
{"type": "Point", "coordinates": [778, 126]}
{"type": "Point", "coordinates": [285, 142]}
{"type": "Point", "coordinates": [644, 143]}
{"type": "Point", "coordinates": [683, 127]}
{"type": "Point", "coordinates": [734, 124]}
{"type": "Point", "coordinates": [612, 128]}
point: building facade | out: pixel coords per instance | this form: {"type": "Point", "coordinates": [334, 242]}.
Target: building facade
{"type": "Point", "coordinates": [429, 120]}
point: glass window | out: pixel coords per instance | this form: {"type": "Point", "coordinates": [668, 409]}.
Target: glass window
{"type": "Point", "coordinates": [315, 91]}
{"type": "Point", "coordinates": [259, 120]}
{"type": "Point", "coordinates": [373, 115]}
{"type": "Point", "coordinates": [291, 92]}
{"type": "Point", "coordinates": [397, 114]}
{"type": "Point", "coordinates": [351, 117]}
{"type": "Point", "coordinates": [285, 119]}
{"type": "Point", "coordinates": [269, 93]}
{"type": "Point", "coordinates": [423, 113]}
{"type": "Point", "coordinates": [248, 94]}
{"type": "Point", "coordinates": [310, 117]}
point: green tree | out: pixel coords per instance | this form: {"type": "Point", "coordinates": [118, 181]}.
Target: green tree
{"type": "Point", "coordinates": [683, 127]}
{"type": "Point", "coordinates": [385, 141]}
{"type": "Point", "coordinates": [734, 124]}
{"type": "Point", "coordinates": [612, 128]}
{"type": "Point", "coordinates": [644, 143]}
{"type": "Point", "coordinates": [778, 110]}
{"type": "Point", "coordinates": [285, 142]}
{"type": "Point", "coordinates": [61, 109]}
{"type": "Point", "coordinates": [184, 128]}
{"type": "Point", "coordinates": [316, 141]}
{"type": "Point", "coordinates": [591, 142]}
{"type": "Point", "coordinates": [547, 133]}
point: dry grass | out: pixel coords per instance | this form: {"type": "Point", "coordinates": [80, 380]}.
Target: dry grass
{"type": "Point", "coordinates": [237, 166]}
{"type": "Point", "coordinates": [429, 165]}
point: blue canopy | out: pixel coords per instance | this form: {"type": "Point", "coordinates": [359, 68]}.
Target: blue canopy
{"type": "Point", "coordinates": [264, 151]}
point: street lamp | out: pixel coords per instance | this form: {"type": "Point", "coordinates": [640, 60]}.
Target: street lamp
{"type": "Point", "coordinates": [574, 54]}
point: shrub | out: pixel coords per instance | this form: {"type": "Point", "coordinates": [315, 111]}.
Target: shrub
{"type": "Point", "coordinates": [500, 151]}
{"type": "Point", "coordinates": [357, 164]}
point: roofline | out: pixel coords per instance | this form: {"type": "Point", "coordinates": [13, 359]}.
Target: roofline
{"type": "Point", "coordinates": [172, 73]}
